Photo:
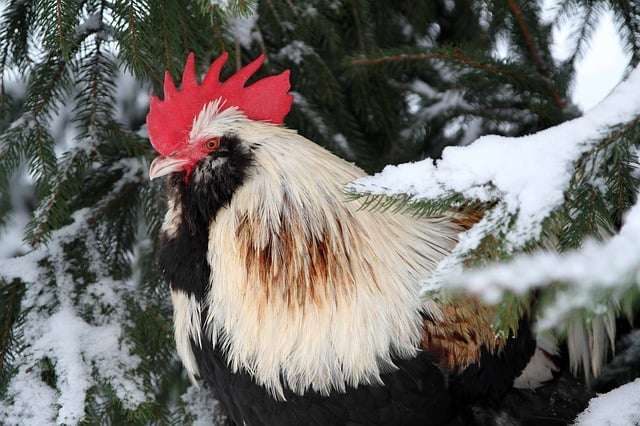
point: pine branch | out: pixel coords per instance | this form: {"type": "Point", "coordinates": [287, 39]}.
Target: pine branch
{"type": "Point", "coordinates": [455, 56]}
{"type": "Point", "coordinates": [16, 27]}
{"type": "Point", "coordinates": [628, 14]}
{"type": "Point", "coordinates": [585, 29]}
{"type": "Point", "coordinates": [53, 210]}
{"type": "Point", "coordinates": [621, 177]}
{"type": "Point", "coordinates": [10, 318]}
{"type": "Point", "coordinates": [534, 53]}
{"type": "Point", "coordinates": [484, 74]}
{"type": "Point", "coordinates": [232, 8]}
{"type": "Point", "coordinates": [128, 22]}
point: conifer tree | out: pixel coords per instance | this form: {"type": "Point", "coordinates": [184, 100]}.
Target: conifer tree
{"type": "Point", "coordinates": [85, 319]}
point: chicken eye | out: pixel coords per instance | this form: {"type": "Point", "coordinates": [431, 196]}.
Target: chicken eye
{"type": "Point", "coordinates": [212, 143]}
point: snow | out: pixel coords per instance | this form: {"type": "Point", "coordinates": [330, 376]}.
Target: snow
{"type": "Point", "coordinates": [619, 407]}
{"type": "Point", "coordinates": [341, 142]}
{"type": "Point", "coordinates": [310, 11]}
{"type": "Point", "coordinates": [527, 175]}
{"type": "Point", "coordinates": [86, 351]}
{"type": "Point", "coordinates": [133, 170]}
{"type": "Point", "coordinates": [23, 267]}
{"type": "Point", "coordinates": [11, 241]}
{"type": "Point", "coordinates": [602, 75]}
{"type": "Point", "coordinates": [243, 29]}
{"type": "Point", "coordinates": [92, 23]}
{"type": "Point", "coordinates": [338, 139]}
{"type": "Point", "coordinates": [223, 4]}
{"type": "Point", "coordinates": [202, 407]}
{"type": "Point", "coordinates": [449, 5]}
{"type": "Point", "coordinates": [36, 409]}
{"type": "Point", "coordinates": [308, 111]}
{"type": "Point", "coordinates": [444, 101]}
{"type": "Point", "coordinates": [131, 98]}
{"type": "Point", "coordinates": [295, 51]}
{"type": "Point", "coordinates": [595, 267]}
{"type": "Point", "coordinates": [595, 77]}
{"type": "Point", "coordinates": [83, 351]}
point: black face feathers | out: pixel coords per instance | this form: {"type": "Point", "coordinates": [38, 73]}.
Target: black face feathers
{"type": "Point", "coordinates": [215, 179]}
{"type": "Point", "coordinates": [183, 255]}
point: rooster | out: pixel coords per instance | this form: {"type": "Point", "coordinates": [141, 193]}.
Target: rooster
{"type": "Point", "coordinates": [295, 306]}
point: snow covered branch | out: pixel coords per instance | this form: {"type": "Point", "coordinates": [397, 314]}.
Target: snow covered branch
{"type": "Point", "coordinates": [596, 268]}
{"type": "Point", "coordinates": [525, 176]}
{"type": "Point", "coordinates": [564, 190]}
{"type": "Point", "coordinates": [77, 349]}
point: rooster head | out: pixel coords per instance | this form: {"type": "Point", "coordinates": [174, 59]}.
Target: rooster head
{"type": "Point", "coordinates": [194, 125]}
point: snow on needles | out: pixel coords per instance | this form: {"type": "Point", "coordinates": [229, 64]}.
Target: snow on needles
{"type": "Point", "coordinates": [619, 407]}
{"type": "Point", "coordinates": [201, 407]}
{"type": "Point", "coordinates": [84, 348]}
{"type": "Point", "coordinates": [596, 266]}
{"type": "Point", "coordinates": [528, 174]}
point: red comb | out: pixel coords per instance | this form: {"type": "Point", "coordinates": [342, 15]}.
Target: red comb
{"type": "Point", "coordinates": [169, 121]}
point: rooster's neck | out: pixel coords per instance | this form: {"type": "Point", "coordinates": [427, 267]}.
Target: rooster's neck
{"type": "Point", "coordinates": [192, 206]}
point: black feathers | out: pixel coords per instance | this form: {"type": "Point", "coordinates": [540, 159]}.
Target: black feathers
{"type": "Point", "coordinates": [418, 392]}
{"type": "Point", "coordinates": [494, 373]}
{"type": "Point", "coordinates": [415, 394]}
{"type": "Point", "coordinates": [183, 256]}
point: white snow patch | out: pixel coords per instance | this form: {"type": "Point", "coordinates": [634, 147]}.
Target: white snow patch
{"type": "Point", "coordinates": [527, 174]}
{"type": "Point", "coordinates": [23, 267]}
{"type": "Point", "coordinates": [449, 5]}
{"type": "Point", "coordinates": [11, 237]}
{"type": "Point", "coordinates": [341, 141]}
{"type": "Point", "coordinates": [619, 407]}
{"type": "Point", "coordinates": [202, 407]}
{"type": "Point", "coordinates": [295, 51]}
{"type": "Point", "coordinates": [444, 101]}
{"type": "Point", "coordinates": [40, 406]}
{"type": "Point", "coordinates": [243, 29]}
{"type": "Point", "coordinates": [223, 4]}
{"type": "Point", "coordinates": [604, 62]}
{"type": "Point", "coordinates": [83, 351]}
{"type": "Point", "coordinates": [310, 11]}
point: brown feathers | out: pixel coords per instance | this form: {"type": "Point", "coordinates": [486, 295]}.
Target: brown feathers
{"type": "Point", "coordinates": [467, 218]}
{"type": "Point", "coordinates": [457, 338]}
{"type": "Point", "coordinates": [465, 325]}
{"type": "Point", "coordinates": [294, 265]}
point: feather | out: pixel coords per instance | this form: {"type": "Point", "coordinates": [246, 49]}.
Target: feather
{"type": "Point", "coordinates": [292, 262]}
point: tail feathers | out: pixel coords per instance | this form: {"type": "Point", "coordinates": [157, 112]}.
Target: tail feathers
{"type": "Point", "coordinates": [589, 344]}
{"type": "Point", "coordinates": [541, 367]}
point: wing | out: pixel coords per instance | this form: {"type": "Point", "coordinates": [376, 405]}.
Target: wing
{"type": "Point", "coordinates": [464, 342]}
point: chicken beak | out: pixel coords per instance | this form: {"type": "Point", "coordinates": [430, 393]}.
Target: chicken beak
{"type": "Point", "coordinates": [162, 166]}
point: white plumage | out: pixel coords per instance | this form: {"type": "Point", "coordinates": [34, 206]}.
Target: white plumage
{"type": "Point", "coordinates": [354, 316]}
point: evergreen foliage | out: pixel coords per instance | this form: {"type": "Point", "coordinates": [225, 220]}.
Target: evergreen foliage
{"type": "Point", "coordinates": [601, 188]}
{"type": "Point", "coordinates": [375, 82]}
